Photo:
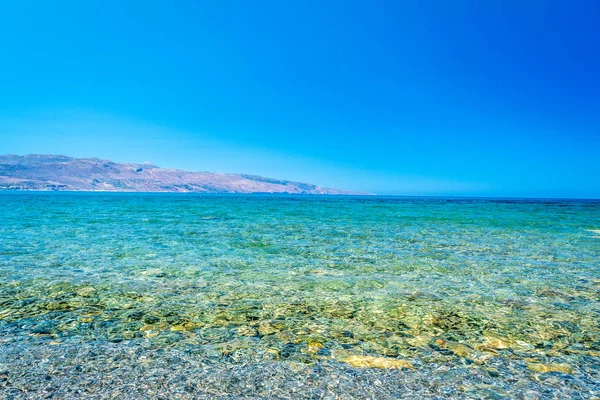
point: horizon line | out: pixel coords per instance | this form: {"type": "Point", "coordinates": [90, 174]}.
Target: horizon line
{"type": "Point", "coordinates": [280, 194]}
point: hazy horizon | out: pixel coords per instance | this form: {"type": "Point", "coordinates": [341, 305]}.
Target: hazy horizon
{"type": "Point", "coordinates": [365, 194]}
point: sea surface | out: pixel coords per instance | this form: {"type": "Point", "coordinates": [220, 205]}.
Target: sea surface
{"type": "Point", "coordinates": [297, 297]}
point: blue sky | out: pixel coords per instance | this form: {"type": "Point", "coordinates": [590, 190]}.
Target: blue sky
{"type": "Point", "coordinates": [485, 98]}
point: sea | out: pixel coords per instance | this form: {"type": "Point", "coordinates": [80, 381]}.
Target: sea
{"type": "Point", "coordinates": [198, 296]}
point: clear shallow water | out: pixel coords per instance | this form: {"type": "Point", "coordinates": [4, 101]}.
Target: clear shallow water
{"type": "Point", "coordinates": [385, 296]}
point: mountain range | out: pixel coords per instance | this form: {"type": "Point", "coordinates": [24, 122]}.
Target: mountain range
{"type": "Point", "coordinates": [57, 172]}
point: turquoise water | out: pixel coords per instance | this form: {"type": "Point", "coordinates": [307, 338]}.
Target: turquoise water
{"type": "Point", "coordinates": [500, 297]}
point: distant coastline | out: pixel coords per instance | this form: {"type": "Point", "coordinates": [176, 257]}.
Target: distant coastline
{"type": "Point", "coordinates": [352, 194]}
{"type": "Point", "coordinates": [48, 173]}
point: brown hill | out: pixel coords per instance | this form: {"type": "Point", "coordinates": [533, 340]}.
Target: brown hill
{"type": "Point", "coordinates": [55, 172]}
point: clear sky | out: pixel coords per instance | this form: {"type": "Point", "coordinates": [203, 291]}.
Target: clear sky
{"type": "Point", "coordinates": [486, 98]}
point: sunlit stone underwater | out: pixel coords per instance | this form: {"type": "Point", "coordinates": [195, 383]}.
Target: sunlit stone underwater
{"type": "Point", "coordinates": [227, 296]}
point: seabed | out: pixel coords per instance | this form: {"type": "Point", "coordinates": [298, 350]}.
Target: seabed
{"type": "Point", "coordinates": [298, 297]}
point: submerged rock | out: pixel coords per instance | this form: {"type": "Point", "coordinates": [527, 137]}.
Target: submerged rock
{"type": "Point", "coordinates": [467, 352]}
{"type": "Point", "coordinates": [495, 343]}
{"type": "Point", "coordinates": [377, 362]}
{"type": "Point", "coordinates": [543, 368]}
{"type": "Point", "coordinates": [270, 327]}
{"type": "Point", "coordinates": [246, 331]}
{"type": "Point", "coordinates": [421, 341]}
{"type": "Point", "coordinates": [86, 291]}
